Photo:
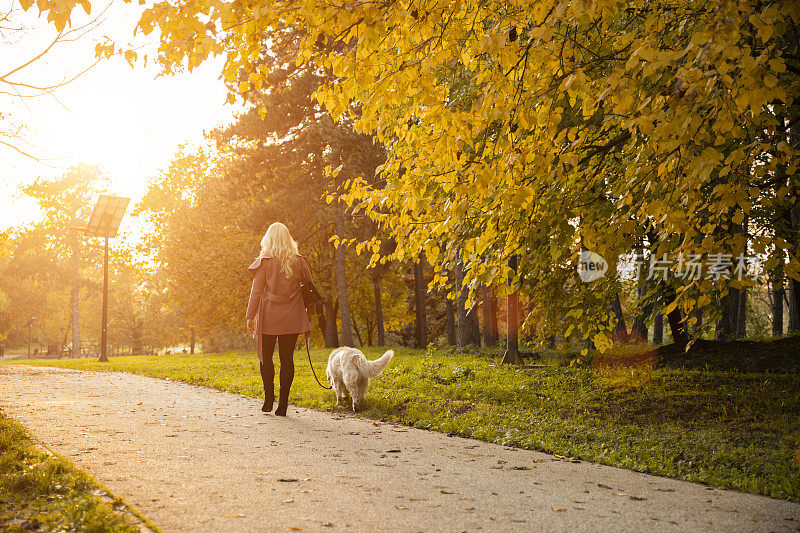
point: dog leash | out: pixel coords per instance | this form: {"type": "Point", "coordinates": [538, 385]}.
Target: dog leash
{"type": "Point", "coordinates": [308, 352]}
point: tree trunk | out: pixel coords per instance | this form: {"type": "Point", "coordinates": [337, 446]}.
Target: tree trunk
{"type": "Point", "coordinates": [794, 283]}
{"type": "Point", "coordinates": [490, 334]}
{"type": "Point", "coordinates": [450, 319]}
{"type": "Point", "coordinates": [698, 324]}
{"type": "Point", "coordinates": [376, 284]}
{"type": "Point", "coordinates": [341, 284]}
{"type": "Point", "coordinates": [473, 326]}
{"type": "Point", "coordinates": [358, 333]}
{"type": "Point", "coordinates": [74, 300]}
{"type": "Point", "coordinates": [792, 299]}
{"type": "Point", "coordinates": [328, 318]}
{"type": "Point", "coordinates": [741, 303]}
{"type": "Point", "coordinates": [741, 315]}
{"type": "Point", "coordinates": [192, 338]}
{"type": "Point", "coordinates": [658, 329]}
{"type": "Point", "coordinates": [727, 320]}
{"type": "Point", "coordinates": [512, 343]}
{"type": "Point", "coordinates": [466, 320]}
{"type": "Point", "coordinates": [776, 299]}
{"type": "Point", "coordinates": [137, 338]}
{"type": "Point", "coordinates": [420, 293]}
{"type": "Point", "coordinates": [733, 312]}
{"type": "Point", "coordinates": [620, 331]}
{"type": "Point", "coordinates": [676, 326]}
{"type": "Point", "coordinates": [643, 310]}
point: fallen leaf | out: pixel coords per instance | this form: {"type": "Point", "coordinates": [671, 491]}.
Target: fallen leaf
{"type": "Point", "coordinates": [468, 510]}
{"type": "Point", "coordinates": [445, 491]}
{"type": "Point", "coordinates": [288, 501]}
{"type": "Point", "coordinates": [578, 501]}
{"type": "Point", "coordinates": [392, 451]}
{"type": "Point", "coordinates": [234, 515]}
{"type": "Point", "coordinates": [559, 509]}
{"type": "Point", "coordinates": [288, 479]}
{"type": "Point", "coordinates": [296, 528]}
{"type": "Point", "coordinates": [401, 507]}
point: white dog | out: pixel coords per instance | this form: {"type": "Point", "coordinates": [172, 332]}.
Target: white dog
{"type": "Point", "coordinates": [349, 370]}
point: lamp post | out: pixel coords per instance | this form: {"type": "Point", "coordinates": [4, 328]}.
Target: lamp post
{"type": "Point", "coordinates": [30, 325]}
{"type": "Point", "coordinates": [105, 220]}
{"type": "Point", "coordinates": [104, 334]}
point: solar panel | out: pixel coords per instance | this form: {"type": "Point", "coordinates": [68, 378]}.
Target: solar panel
{"type": "Point", "coordinates": [107, 215]}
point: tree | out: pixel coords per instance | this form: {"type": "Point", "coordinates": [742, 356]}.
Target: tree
{"type": "Point", "coordinates": [50, 269]}
{"type": "Point", "coordinates": [523, 119]}
{"type": "Point", "coordinates": [65, 202]}
{"type": "Point", "coordinates": [268, 166]}
{"type": "Point", "coordinates": [18, 77]}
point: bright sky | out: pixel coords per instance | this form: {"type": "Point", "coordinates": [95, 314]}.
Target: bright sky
{"type": "Point", "coordinates": [126, 119]}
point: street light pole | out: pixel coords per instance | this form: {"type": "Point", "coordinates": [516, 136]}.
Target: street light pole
{"type": "Point", "coordinates": [105, 220]}
{"type": "Point", "coordinates": [104, 334]}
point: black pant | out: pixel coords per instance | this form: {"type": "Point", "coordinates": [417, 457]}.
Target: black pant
{"type": "Point", "coordinates": [286, 344]}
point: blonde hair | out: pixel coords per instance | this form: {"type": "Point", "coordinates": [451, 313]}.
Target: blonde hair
{"type": "Point", "coordinates": [278, 242]}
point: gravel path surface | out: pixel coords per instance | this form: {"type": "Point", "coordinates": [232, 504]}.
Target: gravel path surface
{"type": "Point", "coordinates": [195, 459]}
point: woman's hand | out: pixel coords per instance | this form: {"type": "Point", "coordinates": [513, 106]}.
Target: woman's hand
{"type": "Point", "coordinates": [251, 326]}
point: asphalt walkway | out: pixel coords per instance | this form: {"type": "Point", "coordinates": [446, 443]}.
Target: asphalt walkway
{"type": "Point", "coordinates": [195, 459]}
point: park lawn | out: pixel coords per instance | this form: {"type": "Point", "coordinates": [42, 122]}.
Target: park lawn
{"type": "Point", "coordinates": [43, 492]}
{"type": "Point", "coordinates": [730, 429]}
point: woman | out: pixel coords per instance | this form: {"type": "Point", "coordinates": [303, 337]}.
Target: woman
{"type": "Point", "coordinates": [276, 311]}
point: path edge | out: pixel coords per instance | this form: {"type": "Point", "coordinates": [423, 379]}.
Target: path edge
{"type": "Point", "coordinates": [132, 515]}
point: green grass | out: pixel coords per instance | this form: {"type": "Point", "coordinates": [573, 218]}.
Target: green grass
{"type": "Point", "coordinates": [44, 492]}
{"type": "Point", "coordinates": [727, 429]}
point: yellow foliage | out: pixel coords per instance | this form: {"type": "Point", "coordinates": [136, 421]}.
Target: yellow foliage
{"type": "Point", "coordinates": [513, 125]}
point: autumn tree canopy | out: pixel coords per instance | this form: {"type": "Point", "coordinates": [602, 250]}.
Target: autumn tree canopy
{"type": "Point", "coordinates": [538, 130]}
{"type": "Point", "coordinates": [532, 129]}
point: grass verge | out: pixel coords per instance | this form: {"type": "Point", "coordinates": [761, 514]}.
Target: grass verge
{"type": "Point", "coordinates": [728, 429]}
{"type": "Point", "coordinates": [40, 491]}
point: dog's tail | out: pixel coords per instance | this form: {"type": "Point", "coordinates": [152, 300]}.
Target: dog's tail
{"type": "Point", "coordinates": [378, 365]}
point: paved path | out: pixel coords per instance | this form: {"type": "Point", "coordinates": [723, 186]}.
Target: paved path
{"type": "Point", "coordinates": [195, 459]}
